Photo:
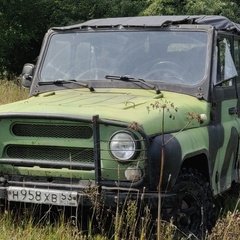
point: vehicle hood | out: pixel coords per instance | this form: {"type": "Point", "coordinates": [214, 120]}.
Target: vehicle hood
{"type": "Point", "coordinates": [151, 111]}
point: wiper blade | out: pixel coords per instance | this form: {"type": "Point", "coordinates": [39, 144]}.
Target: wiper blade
{"type": "Point", "coordinates": [132, 79]}
{"type": "Point", "coordinates": [61, 81]}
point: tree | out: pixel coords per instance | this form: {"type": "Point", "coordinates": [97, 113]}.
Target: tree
{"type": "Point", "coordinates": [23, 24]}
{"type": "Point", "coordinates": [226, 8]}
{"type": "Point", "coordinates": [21, 32]}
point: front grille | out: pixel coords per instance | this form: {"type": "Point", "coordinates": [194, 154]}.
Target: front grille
{"type": "Point", "coordinates": [52, 131]}
{"type": "Point", "coordinates": [50, 153]}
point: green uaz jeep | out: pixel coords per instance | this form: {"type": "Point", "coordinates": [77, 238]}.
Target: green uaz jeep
{"type": "Point", "coordinates": [141, 107]}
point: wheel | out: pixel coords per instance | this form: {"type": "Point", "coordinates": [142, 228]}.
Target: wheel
{"type": "Point", "coordinates": [94, 73]}
{"type": "Point", "coordinates": [165, 70]}
{"type": "Point", "coordinates": [192, 210]}
{"type": "Point", "coordinates": [54, 73]}
{"type": "Point", "coordinates": [167, 66]}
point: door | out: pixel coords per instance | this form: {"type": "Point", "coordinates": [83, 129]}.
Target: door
{"type": "Point", "coordinates": [224, 133]}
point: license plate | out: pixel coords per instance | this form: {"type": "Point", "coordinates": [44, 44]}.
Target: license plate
{"type": "Point", "coordinates": [42, 196]}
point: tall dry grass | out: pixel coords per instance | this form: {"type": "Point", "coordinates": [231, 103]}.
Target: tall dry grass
{"type": "Point", "coordinates": [11, 91]}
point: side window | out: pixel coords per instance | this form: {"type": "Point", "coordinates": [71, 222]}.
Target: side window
{"type": "Point", "coordinates": [237, 57]}
{"type": "Point", "coordinates": [226, 66]}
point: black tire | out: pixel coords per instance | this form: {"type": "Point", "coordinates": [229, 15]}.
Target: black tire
{"type": "Point", "coordinates": [192, 210]}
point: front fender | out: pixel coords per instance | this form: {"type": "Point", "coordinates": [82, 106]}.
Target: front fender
{"type": "Point", "coordinates": [177, 148]}
{"type": "Point", "coordinates": [172, 161]}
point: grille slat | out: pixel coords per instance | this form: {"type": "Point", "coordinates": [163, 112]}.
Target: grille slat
{"type": "Point", "coordinates": [50, 153]}
{"type": "Point", "coordinates": [47, 164]}
{"type": "Point", "coordinates": [52, 131]}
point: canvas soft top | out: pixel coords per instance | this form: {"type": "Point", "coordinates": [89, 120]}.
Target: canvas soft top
{"type": "Point", "coordinates": [218, 22]}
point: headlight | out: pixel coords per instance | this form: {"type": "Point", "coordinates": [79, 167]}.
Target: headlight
{"type": "Point", "coordinates": [123, 145]}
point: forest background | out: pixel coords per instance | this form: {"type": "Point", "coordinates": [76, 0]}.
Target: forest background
{"type": "Point", "coordinates": [23, 23]}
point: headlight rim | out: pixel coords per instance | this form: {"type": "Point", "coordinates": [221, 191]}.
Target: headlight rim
{"type": "Point", "coordinates": [136, 143]}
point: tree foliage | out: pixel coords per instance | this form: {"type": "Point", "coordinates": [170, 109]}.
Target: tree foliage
{"type": "Point", "coordinates": [228, 8]}
{"type": "Point", "coordinates": [23, 23]}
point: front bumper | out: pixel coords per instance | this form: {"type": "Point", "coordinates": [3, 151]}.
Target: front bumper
{"type": "Point", "coordinates": [109, 197]}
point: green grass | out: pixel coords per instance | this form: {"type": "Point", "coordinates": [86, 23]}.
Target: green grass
{"type": "Point", "coordinates": [126, 222]}
{"type": "Point", "coordinates": [12, 227]}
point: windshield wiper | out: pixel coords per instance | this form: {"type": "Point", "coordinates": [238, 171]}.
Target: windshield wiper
{"type": "Point", "coordinates": [134, 80]}
{"type": "Point", "coordinates": [61, 81]}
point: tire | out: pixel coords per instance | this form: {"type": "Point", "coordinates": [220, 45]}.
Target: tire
{"type": "Point", "coordinates": [192, 210]}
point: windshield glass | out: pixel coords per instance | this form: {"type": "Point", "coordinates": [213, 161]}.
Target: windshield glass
{"type": "Point", "coordinates": [164, 56]}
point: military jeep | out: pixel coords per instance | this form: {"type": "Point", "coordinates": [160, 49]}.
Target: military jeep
{"type": "Point", "coordinates": [135, 108]}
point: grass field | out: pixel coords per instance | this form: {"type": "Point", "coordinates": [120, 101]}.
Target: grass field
{"type": "Point", "coordinates": [125, 224]}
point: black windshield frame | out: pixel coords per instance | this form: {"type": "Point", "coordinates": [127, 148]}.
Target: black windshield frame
{"type": "Point", "coordinates": [200, 89]}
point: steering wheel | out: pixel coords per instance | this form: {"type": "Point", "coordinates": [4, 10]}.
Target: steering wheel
{"type": "Point", "coordinates": [165, 69]}
{"type": "Point", "coordinates": [53, 72]}
{"type": "Point", "coordinates": [94, 73]}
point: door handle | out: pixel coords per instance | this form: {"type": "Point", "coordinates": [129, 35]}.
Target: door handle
{"type": "Point", "coordinates": [232, 110]}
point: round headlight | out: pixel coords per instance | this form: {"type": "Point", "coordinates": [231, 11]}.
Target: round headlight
{"type": "Point", "coordinates": [123, 146]}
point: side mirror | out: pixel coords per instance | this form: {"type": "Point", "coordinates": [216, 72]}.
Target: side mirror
{"type": "Point", "coordinates": [27, 75]}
